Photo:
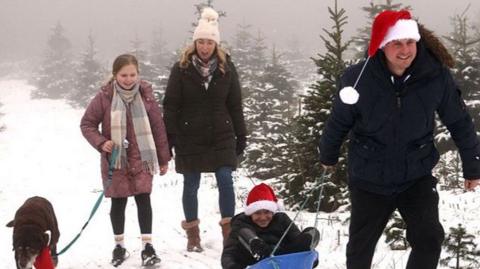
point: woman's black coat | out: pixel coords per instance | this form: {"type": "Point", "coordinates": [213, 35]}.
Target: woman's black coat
{"type": "Point", "coordinates": [204, 123]}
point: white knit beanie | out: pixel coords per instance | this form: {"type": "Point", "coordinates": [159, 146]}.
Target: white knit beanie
{"type": "Point", "coordinates": [207, 27]}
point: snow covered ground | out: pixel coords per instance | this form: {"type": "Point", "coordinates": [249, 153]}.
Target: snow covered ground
{"type": "Point", "coordinates": [42, 152]}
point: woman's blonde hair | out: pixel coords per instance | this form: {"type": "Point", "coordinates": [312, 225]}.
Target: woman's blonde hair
{"type": "Point", "coordinates": [120, 62]}
{"type": "Point", "coordinates": [187, 53]}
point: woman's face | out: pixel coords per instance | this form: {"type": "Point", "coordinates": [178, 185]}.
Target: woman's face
{"type": "Point", "coordinates": [262, 217]}
{"type": "Point", "coordinates": [127, 76]}
{"type": "Point", "coordinates": [205, 48]}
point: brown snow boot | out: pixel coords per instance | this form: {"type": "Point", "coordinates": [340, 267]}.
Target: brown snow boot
{"type": "Point", "coordinates": [226, 228]}
{"type": "Point", "coordinates": [193, 235]}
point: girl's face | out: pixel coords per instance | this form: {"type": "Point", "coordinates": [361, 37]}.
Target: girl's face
{"type": "Point", "coordinates": [127, 76]}
{"type": "Point", "coordinates": [262, 217]}
{"type": "Point", "coordinates": [205, 48]}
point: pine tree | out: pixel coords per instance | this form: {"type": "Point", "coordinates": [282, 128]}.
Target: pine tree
{"type": "Point", "coordinates": [161, 64]}
{"type": "Point", "coordinates": [273, 114]}
{"type": "Point", "coordinates": [363, 39]}
{"type": "Point", "coordinates": [147, 69]}
{"type": "Point", "coordinates": [449, 170]}
{"type": "Point", "coordinates": [461, 249]}
{"type": "Point", "coordinates": [89, 75]}
{"type": "Point", "coordinates": [302, 177]}
{"type": "Point", "coordinates": [54, 78]}
{"type": "Point", "coordinates": [395, 235]}
{"type": "Point", "coordinates": [463, 45]}
{"type": "Point", "coordinates": [242, 57]}
{"type": "Point", "coordinates": [252, 71]}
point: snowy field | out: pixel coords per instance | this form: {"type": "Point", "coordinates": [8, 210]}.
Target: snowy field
{"type": "Point", "coordinates": [42, 152]}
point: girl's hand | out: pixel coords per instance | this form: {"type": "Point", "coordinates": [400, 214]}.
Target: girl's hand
{"type": "Point", "coordinates": [107, 146]}
{"type": "Point", "coordinates": [163, 169]}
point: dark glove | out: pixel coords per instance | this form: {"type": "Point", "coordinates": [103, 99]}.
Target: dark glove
{"type": "Point", "coordinates": [313, 237]}
{"type": "Point", "coordinates": [241, 144]}
{"type": "Point", "coordinates": [260, 250]}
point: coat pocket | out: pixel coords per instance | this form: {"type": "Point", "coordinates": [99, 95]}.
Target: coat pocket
{"type": "Point", "coordinates": [422, 156]}
{"type": "Point", "coordinates": [366, 160]}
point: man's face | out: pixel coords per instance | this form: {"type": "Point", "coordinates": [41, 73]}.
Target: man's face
{"type": "Point", "coordinates": [400, 55]}
{"type": "Point", "coordinates": [262, 217]}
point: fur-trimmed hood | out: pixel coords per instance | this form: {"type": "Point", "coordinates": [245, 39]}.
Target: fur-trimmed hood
{"type": "Point", "coordinates": [435, 46]}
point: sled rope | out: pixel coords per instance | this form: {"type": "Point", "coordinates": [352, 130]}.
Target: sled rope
{"type": "Point", "coordinates": [320, 185]}
{"type": "Point", "coordinates": [97, 203]}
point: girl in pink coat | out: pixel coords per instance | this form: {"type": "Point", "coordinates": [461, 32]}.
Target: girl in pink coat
{"type": "Point", "coordinates": [132, 123]}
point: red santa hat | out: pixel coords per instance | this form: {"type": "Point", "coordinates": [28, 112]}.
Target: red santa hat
{"type": "Point", "coordinates": [261, 197]}
{"type": "Point", "coordinates": [388, 25]}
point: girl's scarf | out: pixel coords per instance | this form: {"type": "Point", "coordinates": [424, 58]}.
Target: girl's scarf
{"type": "Point", "coordinates": [132, 100]}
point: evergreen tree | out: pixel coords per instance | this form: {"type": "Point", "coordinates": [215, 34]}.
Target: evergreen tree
{"type": "Point", "coordinates": [363, 39]}
{"type": "Point", "coordinates": [89, 75]}
{"type": "Point", "coordinates": [252, 70]}
{"type": "Point", "coordinates": [147, 69]}
{"type": "Point", "coordinates": [449, 170]}
{"type": "Point", "coordinates": [461, 249]}
{"type": "Point", "coordinates": [308, 126]}
{"type": "Point", "coordinates": [394, 232]}
{"type": "Point", "coordinates": [463, 46]}
{"type": "Point", "coordinates": [241, 55]}
{"type": "Point", "coordinates": [54, 78]}
{"type": "Point", "coordinates": [161, 64]}
{"type": "Point", "coordinates": [272, 120]}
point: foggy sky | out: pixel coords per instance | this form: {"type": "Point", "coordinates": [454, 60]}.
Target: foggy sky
{"type": "Point", "coordinates": [26, 24]}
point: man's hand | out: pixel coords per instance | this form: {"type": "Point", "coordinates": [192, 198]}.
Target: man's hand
{"type": "Point", "coordinates": [470, 184]}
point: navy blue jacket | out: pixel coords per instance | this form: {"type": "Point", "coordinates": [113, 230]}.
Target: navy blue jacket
{"type": "Point", "coordinates": [391, 126]}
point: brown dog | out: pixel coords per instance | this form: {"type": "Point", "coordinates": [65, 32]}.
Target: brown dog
{"type": "Point", "coordinates": [34, 227]}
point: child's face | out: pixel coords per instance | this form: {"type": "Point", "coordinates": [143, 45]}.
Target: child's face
{"type": "Point", "coordinates": [262, 217]}
{"type": "Point", "coordinates": [127, 76]}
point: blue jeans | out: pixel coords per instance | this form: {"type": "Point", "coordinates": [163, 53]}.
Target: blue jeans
{"type": "Point", "coordinates": [226, 199]}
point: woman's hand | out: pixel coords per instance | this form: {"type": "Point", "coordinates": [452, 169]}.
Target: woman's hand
{"type": "Point", "coordinates": [163, 169]}
{"type": "Point", "coordinates": [107, 146]}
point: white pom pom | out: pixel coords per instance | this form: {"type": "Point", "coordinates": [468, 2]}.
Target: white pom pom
{"type": "Point", "coordinates": [349, 95]}
{"type": "Point", "coordinates": [209, 14]}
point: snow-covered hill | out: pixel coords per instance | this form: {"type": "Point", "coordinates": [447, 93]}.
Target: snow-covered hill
{"type": "Point", "coordinates": [42, 152]}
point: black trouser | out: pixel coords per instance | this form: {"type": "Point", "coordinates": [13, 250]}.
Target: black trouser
{"type": "Point", "coordinates": [144, 212]}
{"type": "Point", "coordinates": [418, 207]}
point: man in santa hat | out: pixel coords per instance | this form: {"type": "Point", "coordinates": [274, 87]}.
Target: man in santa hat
{"type": "Point", "coordinates": [387, 104]}
{"type": "Point", "coordinates": [257, 230]}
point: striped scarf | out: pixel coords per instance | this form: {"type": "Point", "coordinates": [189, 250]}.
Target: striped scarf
{"type": "Point", "coordinates": [205, 69]}
{"type": "Point", "coordinates": [132, 100]}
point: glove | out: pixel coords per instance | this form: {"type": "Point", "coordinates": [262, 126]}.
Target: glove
{"type": "Point", "coordinates": [260, 250]}
{"type": "Point", "coordinates": [241, 144]}
{"type": "Point", "coordinates": [313, 236]}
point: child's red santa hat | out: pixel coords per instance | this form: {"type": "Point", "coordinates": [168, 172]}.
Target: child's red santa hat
{"type": "Point", "coordinates": [388, 25]}
{"type": "Point", "coordinates": [261, 197]}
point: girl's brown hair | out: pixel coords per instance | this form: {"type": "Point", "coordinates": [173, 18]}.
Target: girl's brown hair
{"type": "Point", "coordinates": [120, 62]}
{"type": "Point", "coordinates": [186, 57]}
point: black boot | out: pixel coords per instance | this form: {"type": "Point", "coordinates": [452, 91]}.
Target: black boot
{"type": "Point", "coordinates": [149, 257]}
{"type": "Point", "coordinates": [119, 255]}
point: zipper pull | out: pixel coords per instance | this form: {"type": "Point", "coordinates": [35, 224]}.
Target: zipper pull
{"type": "Point", "coordinates": [399, 102]}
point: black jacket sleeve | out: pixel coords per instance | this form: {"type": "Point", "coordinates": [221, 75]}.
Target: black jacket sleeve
{"type": "Point", "coordinates": [453, 113]}
{"type": "Point", "coordinates": [173, 100]}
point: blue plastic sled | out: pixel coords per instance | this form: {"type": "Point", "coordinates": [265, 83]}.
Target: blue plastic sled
{"type": "Point", "coordinates": [298, 260]}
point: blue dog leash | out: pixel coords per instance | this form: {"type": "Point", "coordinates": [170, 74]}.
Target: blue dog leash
{"type": "Point", "coordinates": [111, 167]}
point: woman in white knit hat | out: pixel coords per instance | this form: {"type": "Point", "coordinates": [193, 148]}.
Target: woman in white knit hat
{"type": "Point", "coordinates": [205, 122]}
